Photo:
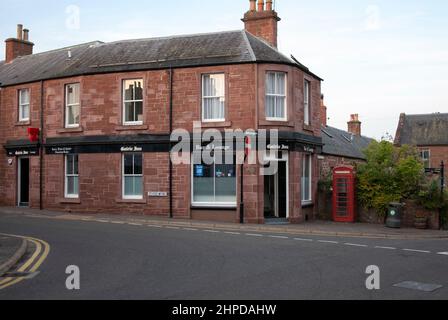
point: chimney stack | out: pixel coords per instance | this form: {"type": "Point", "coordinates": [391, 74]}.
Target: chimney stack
{"type": "Point", "coordinates": [20, 46]}
{"type": "Point", "coordinates": [323, 111]}
{"type": "Point", "coordinates": [354, 125]}
{"type": "Point", "coordinates": [263, 22]}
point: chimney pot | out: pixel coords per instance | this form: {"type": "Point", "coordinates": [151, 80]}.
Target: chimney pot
{"type": "Point", "coordinates": [260, 5]}
{"type": "Point", "coordinates": [26, 35]}
{"type": "Point", "coordinates": [253, 5]}
{"type": "Point", "coordinates": [19, 31]}
{"type": "Point", "coordinates": [323, 110]}
{"type": "Point", "coordinates": [268, 5]}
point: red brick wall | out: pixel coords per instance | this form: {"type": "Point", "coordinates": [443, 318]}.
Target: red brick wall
{"type": "Point", "coordinates": [101, 112]}
{"type": "Point", "coordinates": [17, 48]}
{"type": "Point", "coordinates": [438, 154]}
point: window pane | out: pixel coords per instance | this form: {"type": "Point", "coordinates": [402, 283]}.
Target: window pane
{"type": "Point", "coordinates": [213, 109]}
{"type": "Point", "coordinates": [73, 115]}
{"type": "Point", "coordinates": [69, 164]}
{"type": "Point", "coordinates": [138, 111]}
{"type": "Point", "coordinates": [129, 186]}
{"type": "Point", "coordinates": [306, 178]}
{"type": "Point", "coordinates": [138, 160]}
{"type": "Point", "coordinates": [25, 111]}
{"type": "Point", "coordinates": [280, 85]}
{"type": "Point", "coordinates": [203, 183]}
{"type": "Point", "coordinates": [129, 112]}
{"type": "Point", "coordinates": [225, 183]}
{"type": "Point", "coordinates": [280, 107]}
{"type": "Point", "coordinates": [270, 106]}
{"type": "Point", "coordinates": [138, 186]}
{"type": "Point", "coordinates": [138, 95]}
{"type": "Point", "coordinates": [128, 164]}
{"type": "Point", "coordinates": [270, 83]}
{"type": "Point", "coordinates": [75, 164]}
{"type": "Point", "coordinates": [24, 96]}
{"type": "Point", "coordinates": [73, 93]}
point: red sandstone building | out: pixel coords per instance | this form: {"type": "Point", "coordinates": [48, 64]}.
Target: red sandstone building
{"type": "Point", "coordinates": [105, 113]}
{"type": "Point", "coordinates": [427, 132]}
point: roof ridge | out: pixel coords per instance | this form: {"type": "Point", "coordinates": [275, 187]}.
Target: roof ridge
{"type": "Point", "coordinates": [172, 36]}
{"type": "Point", "coordinates": [64, 48]}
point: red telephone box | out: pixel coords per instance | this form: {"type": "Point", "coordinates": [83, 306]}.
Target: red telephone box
{"type": "Point", "coordinates": [344, 194]}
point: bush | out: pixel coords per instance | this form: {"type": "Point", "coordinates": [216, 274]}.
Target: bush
{"type": "Point", "coordinates": [431, 198]}
{"type": "Point", "coordinates": [391, 174]}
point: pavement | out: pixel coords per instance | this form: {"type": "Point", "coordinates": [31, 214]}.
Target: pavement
{"type": "Point", "coordinates": [126, 259]}
{"type": "Point", "coordinates": [324, 228]}
{"type": "Point", "coordinates": [12, 250]}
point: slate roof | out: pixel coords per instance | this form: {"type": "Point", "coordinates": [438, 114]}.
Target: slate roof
{"type": "Point", "coordinates": [342, 143]}
{"type": "Point", "coordinates": [423, 129]}
{"type": "Point", "coordinates": [220, 48]}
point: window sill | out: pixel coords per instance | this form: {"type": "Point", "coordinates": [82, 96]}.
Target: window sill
{"type": "Point", "coordinates": [307, 204]}
{"type": "Point", "coordinates": [22, 123]}
{"type": "Point", "coordinates": [276, 123]}
{"type": "Point", "coordinates": [211, 207]}
{"type": "Point", "coordinates": [308, 127]}
{"type": "Point", "coordinates": [70, 130]}
{"type": "Point", "coordinates": [131, 128]}
{"type": "Point", "coordinates": [70, 201]}
{"type": "Point", "coordinates": [136, 201]}
{"type": "Point", "coordinates": [218, 124]}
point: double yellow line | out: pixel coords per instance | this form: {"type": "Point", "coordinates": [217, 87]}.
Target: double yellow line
{"type": "Point", "coordinates": [32, 264]}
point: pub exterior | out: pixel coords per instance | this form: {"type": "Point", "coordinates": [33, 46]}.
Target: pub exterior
{"type": "Point", "coordinates": [91, 128]}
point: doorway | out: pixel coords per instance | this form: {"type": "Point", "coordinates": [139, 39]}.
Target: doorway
{"type": "Point", "coordinates": [23, 182]}
{"type": "Point", "coordinates": [276, 192]}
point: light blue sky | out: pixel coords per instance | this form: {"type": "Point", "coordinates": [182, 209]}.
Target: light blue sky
{"type": "Point", "coordinates": [378, 57]}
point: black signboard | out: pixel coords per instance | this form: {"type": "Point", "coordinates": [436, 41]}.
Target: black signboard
{"type": "Point", "coordinates": [23, 151]}
{"type": "Point", "coordinates": [109, 148]}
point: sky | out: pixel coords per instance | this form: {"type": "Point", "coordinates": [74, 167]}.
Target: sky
{"type": "Point", "coordinates": [379, 58]}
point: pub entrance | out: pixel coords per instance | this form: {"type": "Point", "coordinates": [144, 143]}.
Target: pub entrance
{"type": "Point", "coordinates": [23, 182]}
{"type": "Point", "coordinates": [276, 189]}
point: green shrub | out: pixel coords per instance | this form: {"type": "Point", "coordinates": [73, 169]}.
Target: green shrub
{"type": "Point", "coordinates": [391, 174]}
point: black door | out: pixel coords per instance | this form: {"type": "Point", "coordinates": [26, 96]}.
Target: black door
{"type": "Point", "coordinates": [24, 181]}
{"type": "Point", "coordinates": [269, 196]}
{"type": "Point", "coordinates": [282, 190]}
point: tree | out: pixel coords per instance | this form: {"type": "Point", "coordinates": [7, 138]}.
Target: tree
{"type": "Point", "coordinates": [391, 174]}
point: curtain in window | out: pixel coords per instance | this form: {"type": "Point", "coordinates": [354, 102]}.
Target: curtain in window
{"type": "Point", "coordinates": [213, 97]}
{"type": "Point", "coordinates": [275, 95]}
{"type": "Point", "coordinates": [306, 179]}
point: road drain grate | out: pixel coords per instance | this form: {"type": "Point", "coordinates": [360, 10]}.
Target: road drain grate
{"type": "Point", "coordinates": [426, 287]}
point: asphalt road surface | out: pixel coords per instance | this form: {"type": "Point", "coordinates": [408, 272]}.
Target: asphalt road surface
{"type": "Point", "coordinates": [131, 261]}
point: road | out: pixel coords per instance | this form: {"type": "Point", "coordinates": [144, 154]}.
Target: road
{"type": "Point", "coordinates": [132, 261]}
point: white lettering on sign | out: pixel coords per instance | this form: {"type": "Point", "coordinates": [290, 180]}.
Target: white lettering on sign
{"type": "Point", "coordinates": [131, 149]}
{"type": "Point", "coordinates": [278, 147]}
{"type": "Point", "coordinates": [61, 150]}
{"type": "Point", "coordinates": [342, 172]}
{"type": "Point", "coordinates": [158, 194]}
{"type": "Point", "coordinates": [308, 149]}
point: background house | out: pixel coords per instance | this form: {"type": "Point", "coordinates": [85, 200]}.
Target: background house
{"type": "Point", "coordinates": [429, 133]}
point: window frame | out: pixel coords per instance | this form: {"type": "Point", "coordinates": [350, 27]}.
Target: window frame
{"type": "Point", "coordinates": [123, 176]}
{"type": "Point", "coordinates": [67, 175]}
{"type": "Point", "coordinates": [276, 95]}
{"type": "Point", "coordinates": [230, 205]}
{"type": "Point", "coordinates": [21, 104]}
{"type": "Point", "coordinates": [428, 160]}
{"type": "Point", "coordinates": [310, 183]}
{"type": "Point", "coordinates": [203, 97]}
{"type": "Point", "coordinates": [124, 101]}
{"type": "Point", "coordinates": [68, 105]}
{"type": "Point", "coordinates": [307, 102]}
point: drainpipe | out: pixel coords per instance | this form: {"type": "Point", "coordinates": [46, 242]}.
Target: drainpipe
{"type": "Point", "coordinates": [41, 148]}
{"type": "Point", "coordinates": [171, 131]}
